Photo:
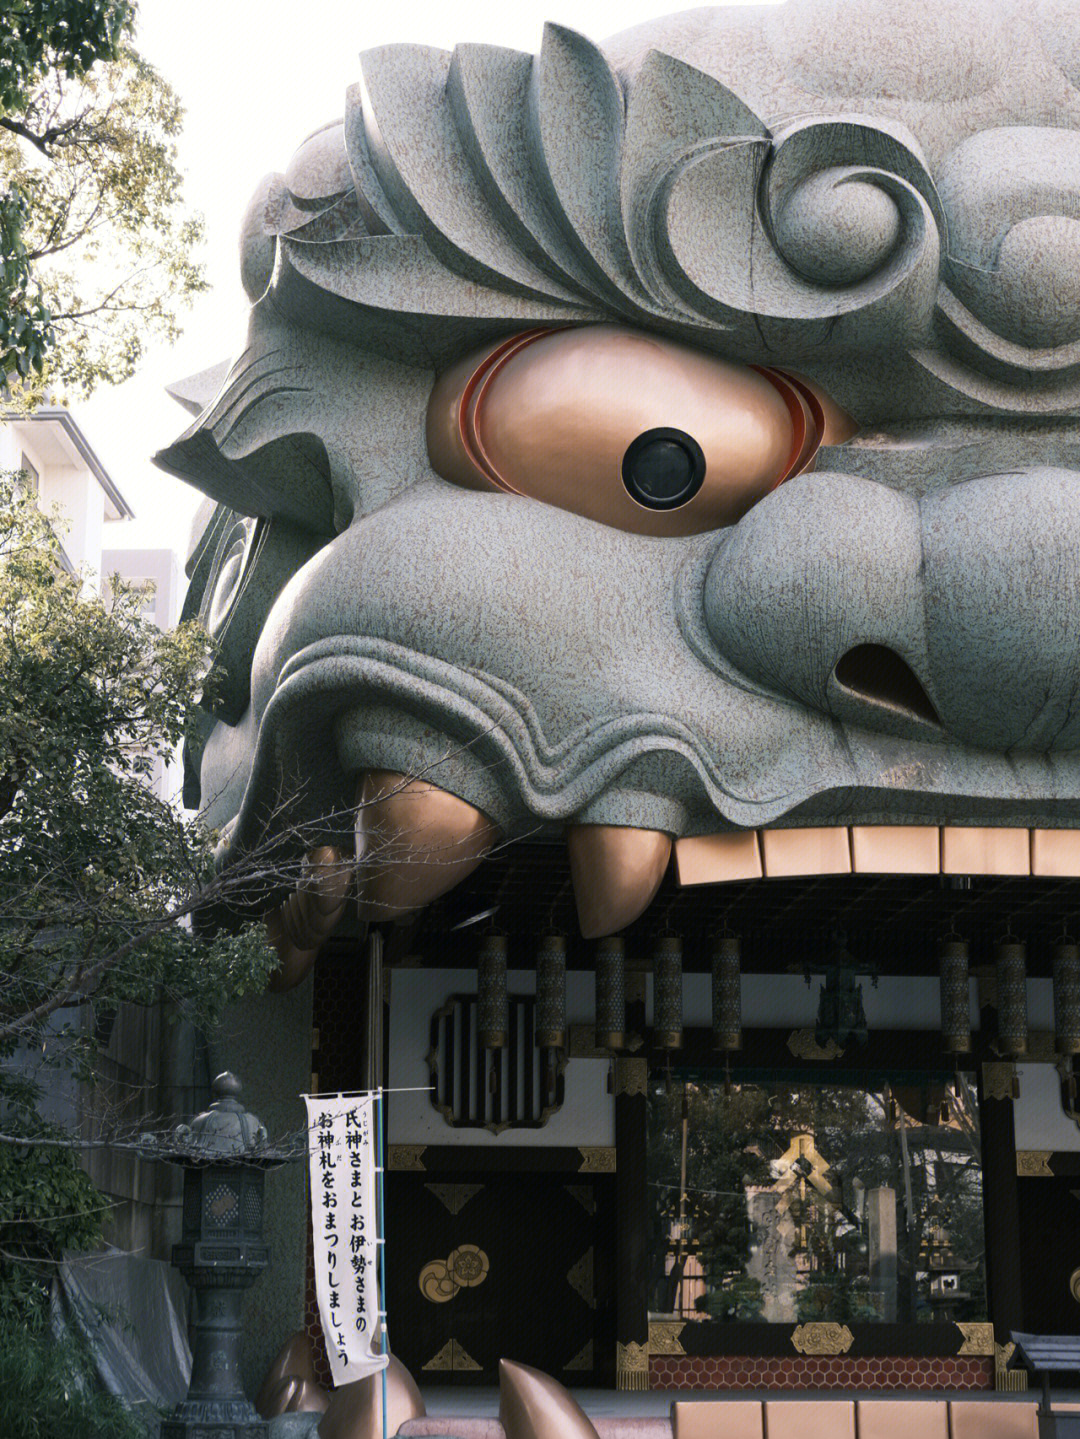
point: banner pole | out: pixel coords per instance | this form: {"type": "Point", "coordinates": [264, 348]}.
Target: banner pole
{"type": "Point", "coordinates": [381, 1168]}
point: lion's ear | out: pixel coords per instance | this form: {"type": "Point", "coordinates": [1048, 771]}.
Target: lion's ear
{"type": "Point", "coordinates": [534, 1406]}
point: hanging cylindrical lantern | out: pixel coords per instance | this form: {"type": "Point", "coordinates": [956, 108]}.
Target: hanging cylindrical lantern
{"type": "Point", "coordinates": [1067, 996]}
{"type": "Point", "coordinates": [955, 996]}
{"type": "Point", "coordinates": [551, 993]}
{"type": "Point", "coordinates": [667, 993]}
{"type": "Point", "coordinates": [492, 1003]}
{"type": "Point", "coordinates": [610, 993]}
{"type": "Point", "coordinates": [1012, 996]}
{"type": "Point", "coordinates": [727, 994]}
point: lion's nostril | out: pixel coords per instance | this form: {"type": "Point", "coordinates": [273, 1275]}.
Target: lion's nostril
{"type": "Point", "coordinates": [876, 673]}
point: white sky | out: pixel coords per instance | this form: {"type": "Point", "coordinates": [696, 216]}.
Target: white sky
{"type": "Point", "coordinates": [256, 76]}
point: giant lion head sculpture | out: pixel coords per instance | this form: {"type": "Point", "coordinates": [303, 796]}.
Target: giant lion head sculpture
{"type": "Point", "coordinates": [669, 437]}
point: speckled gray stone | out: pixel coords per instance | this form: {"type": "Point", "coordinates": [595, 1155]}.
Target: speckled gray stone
{"type": "Point", "coordinates": [293, 1426]}
{"type": "Point", "coordinates": [885, 196]}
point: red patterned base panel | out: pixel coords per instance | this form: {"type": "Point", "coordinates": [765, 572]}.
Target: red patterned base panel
{"type": "Point", "coordinates": [885, 1372]}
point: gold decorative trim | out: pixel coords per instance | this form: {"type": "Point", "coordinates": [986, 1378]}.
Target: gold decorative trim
{"type": "Point", "coordinates": [583, 1359]}
{"type": "Point", "coordinates": [444, 1359]}
{"type": "Point", "coordinates": [985, 977]}
{"type": "Point", "coordinates": [822, 1338]}
{"type": "Point", "coordinates": [803, 1045]}
{"type": "Point", "coordinates": [580, 1278]}
{"type": "Point", "coordinates": [1074, 1285]}
{"type": "Point", "coordinates": [465, 1268]}
{"type": "Point", "coordinates": [451, 1356]}
{"type": "Point", "coordinates": [435, 1283]}
{"type": "Point", "coordinates": [468, 1265]}
{"type": "Point", "coordinates": [583, 1043]}
{"type": "Point", "coordinates": [454, 1196]}
{"type": "Point", "coordinates": [999, 1080]}
{"type": "Point", "coordinates": [1041, 1048]}
{"type": "Point", "coordinates": [1006, 1380]}
{"type": "Point", "coordinates": [664, 1336]}
{"type": "Point", "coordinates": [631, 1076]}
{"type": "Point", "coordinates": [584, 1195]}
{"type": "Point", "coordinates": [1034, 1163]}
{"type": "Point", "coordinates": [977, 1338]}
{"type": "Point", "coordinates": [631, 1366]}
{"type": "Point", "coordinates": [596, 1159]}
{"type": "Point", "coordinates": [405, 1156]}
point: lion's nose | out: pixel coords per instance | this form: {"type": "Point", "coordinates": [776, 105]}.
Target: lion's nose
{"type": "Point", "coordinates": [949, 618]}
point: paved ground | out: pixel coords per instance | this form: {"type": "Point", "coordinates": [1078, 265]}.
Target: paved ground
{"type": "Point", "coordinates": [480, 1403]}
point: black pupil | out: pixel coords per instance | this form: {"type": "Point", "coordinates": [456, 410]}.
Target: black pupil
{"type": "Point", "coordinates": [662, 469]}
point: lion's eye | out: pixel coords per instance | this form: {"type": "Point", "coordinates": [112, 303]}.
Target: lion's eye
{"type": "Point", "coordinates": [663, 469]}
{"type": "Point", "coordinates": [627, 428]}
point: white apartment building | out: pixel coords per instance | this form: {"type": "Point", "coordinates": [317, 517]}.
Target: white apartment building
{"type": "Point", "coordinates": [63, 469]}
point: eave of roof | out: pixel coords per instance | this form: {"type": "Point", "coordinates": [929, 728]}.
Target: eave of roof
{"type": "Point", "coordinates": [57, 415]}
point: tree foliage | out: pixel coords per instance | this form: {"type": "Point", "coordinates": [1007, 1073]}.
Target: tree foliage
{"type": "Point", "coordinates": [96, 871]}
{"type": "Point", "coordinates": [95, 868]}
{"type": "Point", "coordinates": [96, 246]}
{"type": "Point", "coordinates": [65, 35]}
{"type": "Point", "coordinates": [734, 1137]}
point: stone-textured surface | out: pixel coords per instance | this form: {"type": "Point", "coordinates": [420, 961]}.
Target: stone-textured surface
{"type": "Point", "coordinates": [884, 196]}
{"type": "Point", "coordinates": [293, 1426]}
{"type": "Point", "coordinates": [267, 1042]}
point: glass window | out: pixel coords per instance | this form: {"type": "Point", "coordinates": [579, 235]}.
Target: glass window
{"type": "Point", "coordinates": [31, 480]}
{"type": "Point", "coordinates": [793, 1199]}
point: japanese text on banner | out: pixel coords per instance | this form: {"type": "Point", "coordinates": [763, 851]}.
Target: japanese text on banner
{"type": "Point", "coordinates": [341, 1156]}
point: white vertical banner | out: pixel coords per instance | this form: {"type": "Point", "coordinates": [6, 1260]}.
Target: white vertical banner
{"type": "Point", "coordinates": [341, 1158]}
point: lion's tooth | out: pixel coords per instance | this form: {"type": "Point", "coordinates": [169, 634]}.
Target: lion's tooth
{"type": "Point", "coordinates": [1055, 852]}
{"type": "Point", "coordinates": [978, 850]}
{"type": "Point", "coordinates": [413, 843]}
{"type": "Point", "coordinates": [294, 964]}
{"type": "Point", "coordinates": [616, 872]}
{"type": "Point", "coordinates": [895, 848]}
{"type": "Point", "coordinates": [298, 928]}
{"type": "Point", "coordinates": [718, 858]}
{"type": "Point", "coordinates": [791, 852]}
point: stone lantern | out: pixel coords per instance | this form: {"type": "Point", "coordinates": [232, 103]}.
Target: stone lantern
{"type": "Point", "coordinates": [946, 1271]}
{"type": "Point", "coordinates": [224, 1155]}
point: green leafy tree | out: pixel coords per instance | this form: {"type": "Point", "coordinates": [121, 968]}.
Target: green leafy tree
{"type": "Point", "coordinates": [97, 873]}
{"type": "Point", "coordinates": [66, 35]}
{"type": "Point", "coordinates": [731, 1138]}
{"type": "Point", "coordinates": [96, 246]}
{"type": "Point", "coordinates": [721, 1160]}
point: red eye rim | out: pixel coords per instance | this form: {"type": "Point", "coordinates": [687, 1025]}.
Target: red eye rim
{"type": "Point", "coordinates": [472, 396]}
{"type": "Point", "coordinates": [799, 400]}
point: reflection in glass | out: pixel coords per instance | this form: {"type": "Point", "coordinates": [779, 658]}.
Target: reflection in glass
{"type": "Point", "coordinates": [788, 1201]}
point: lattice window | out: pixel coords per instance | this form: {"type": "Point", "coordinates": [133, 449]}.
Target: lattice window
{"type": "Point", "coordinates": [473, 1088]}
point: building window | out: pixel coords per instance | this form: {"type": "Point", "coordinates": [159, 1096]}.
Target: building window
{"type": "Point", "coordinates": [789, 1200]}
{"type": "Point", "coordinates": [517, 1087]}
{"type": "Point", "coordinates": [30, 482]}
{"type": "Point", "coordinates": [146, 590]}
